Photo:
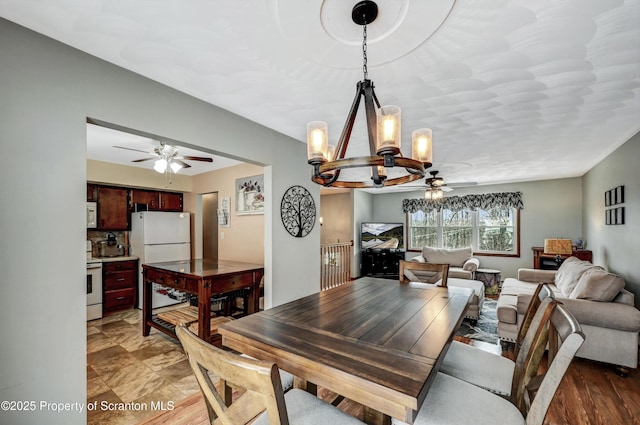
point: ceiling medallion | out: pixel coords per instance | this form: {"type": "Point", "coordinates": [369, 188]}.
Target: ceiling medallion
{"type": "Point", "coordinates": [298, 211]}
{"type": "Point", "coordinates": [383, 128]}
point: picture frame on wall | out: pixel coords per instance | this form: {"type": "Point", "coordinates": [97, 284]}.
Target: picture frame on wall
{"type": "Point", "coordinates": [619, 215]}
{"type": "Point", "coordinates": [607, 215]}
{"type": "Point", "coordinates": [250, 195]}
{"type": "Point", "coordinates": [223, 212]}
{"type": "Point", "coordinates": [620, 195]}
{"type": "Point", "coordinates": [607, 198]}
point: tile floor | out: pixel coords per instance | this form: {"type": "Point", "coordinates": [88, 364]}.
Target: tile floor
{"type": "Point", "coordinates": [132, 377]}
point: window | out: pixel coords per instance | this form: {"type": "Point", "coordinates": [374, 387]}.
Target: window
{"type": "Point", "coordinates": [457, 228]}
{"type": "Point", "coordinates": [497, 230]}
{"type": "Point", "coordinates": [492, 231]}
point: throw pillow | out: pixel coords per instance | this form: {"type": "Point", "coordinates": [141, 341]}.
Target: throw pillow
{"type": "Point", "coordinates": [569, 274]}
{"type": "Point", "coordinates": [471, 265]}
{"type": "Point", "coordinates": [453, 257]}
{"type": "Point", "coordinates": [598, 285]}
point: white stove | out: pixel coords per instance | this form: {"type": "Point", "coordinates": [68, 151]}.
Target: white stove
{"type": "Point", "coordinates": [94, 285]}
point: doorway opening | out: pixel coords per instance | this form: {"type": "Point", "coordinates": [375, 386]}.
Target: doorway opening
{"type": "Point", "coordinates": [210, 225]}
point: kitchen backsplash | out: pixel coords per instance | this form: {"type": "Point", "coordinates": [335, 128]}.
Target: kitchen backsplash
{"type": "Point", "coordinates": [98, 236]}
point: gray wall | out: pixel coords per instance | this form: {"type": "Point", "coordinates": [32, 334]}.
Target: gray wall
{"type": "Point", "coordinates": [362, 204]}
{"type": "Point", "coordinates": [552, 208]}
{"type": "Point", "coordinates": [47, 92]}
{"type": "Point", "coordinates": [615, 247]}
{"type": "Point", "coordinates": [335, 210]}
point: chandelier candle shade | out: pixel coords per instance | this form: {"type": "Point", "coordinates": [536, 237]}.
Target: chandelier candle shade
{"type": "Point", "coordinates": [384, 133]}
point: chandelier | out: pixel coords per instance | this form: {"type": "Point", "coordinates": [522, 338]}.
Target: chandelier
{"type": "Point", "coordinates": [383, 128]}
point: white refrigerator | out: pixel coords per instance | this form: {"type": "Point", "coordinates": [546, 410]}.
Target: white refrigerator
{"type": "Point", "coordinates": [160, 236]}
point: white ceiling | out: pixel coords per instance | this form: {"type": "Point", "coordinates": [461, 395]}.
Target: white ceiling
{"type": "Point", "coordinates": [101, 142]}
{"type": "Point", "coordinates": [513, 90]}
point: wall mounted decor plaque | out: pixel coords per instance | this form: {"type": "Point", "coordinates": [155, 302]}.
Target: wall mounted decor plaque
{"type": "Point", "coordinates": [298, 211]}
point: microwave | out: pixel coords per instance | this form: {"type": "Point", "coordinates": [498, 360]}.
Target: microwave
{"type": "Point", "coordinates": [92, 215]}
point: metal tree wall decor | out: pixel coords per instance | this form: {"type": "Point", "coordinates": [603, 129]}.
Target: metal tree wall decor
{"type": "Point", "coordinates": [298, 211]}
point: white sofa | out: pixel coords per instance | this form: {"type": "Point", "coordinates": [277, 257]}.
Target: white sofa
{"type": "Point", "coordinates": [462, 263]}
{"type": "Point", "coordinates": [462, 266]}
{"type": "Point", "coordinates": [597, 299]}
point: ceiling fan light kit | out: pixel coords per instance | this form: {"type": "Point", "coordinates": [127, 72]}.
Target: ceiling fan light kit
{"type": "Point", "coordinates": [383, 128]}
{"type": "Point", "coordinates": [167, 159]}
{"type": "Point", "coordinates": [434, 194]}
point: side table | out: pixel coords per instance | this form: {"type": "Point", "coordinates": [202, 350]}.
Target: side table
{"type": "Point", "coordinates": [491, 279]}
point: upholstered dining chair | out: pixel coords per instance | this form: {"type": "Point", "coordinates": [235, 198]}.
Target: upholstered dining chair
{"type": "Point", "coordinates": [413, 271]}
{"type": "Point", "coordinates": [534, 392]}
{"type": "Point", "coordinates": [492, 371]}
{"type": "Point", "coordinates": [263, 398]}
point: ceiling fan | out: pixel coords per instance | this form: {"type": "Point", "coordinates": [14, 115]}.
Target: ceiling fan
{"type": "Point", "coordinates": [167, 157]}
{"type": "Point", "coordinates": [435, 186]}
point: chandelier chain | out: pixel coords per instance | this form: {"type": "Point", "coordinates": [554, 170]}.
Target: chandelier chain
{"type": "Point", "coordinates": [364, 52]}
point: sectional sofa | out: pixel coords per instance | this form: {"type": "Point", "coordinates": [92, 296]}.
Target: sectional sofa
{"type": "Point", "coordinates": [596, 298]}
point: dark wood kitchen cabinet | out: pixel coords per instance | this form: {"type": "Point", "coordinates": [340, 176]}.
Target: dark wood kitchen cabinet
{"type": "Point", "coordinates": [170, 201]}
{"type": "Point", "coordinates": [113, 213]}
{"type": "Point", "coordinates": [92, 192]}
{"type": "Point", "coordinates": [120, 283]}
{"type": "Point", "coordinates": [157, 200]}
{"type": "Point", "coordinates": [148, 197]}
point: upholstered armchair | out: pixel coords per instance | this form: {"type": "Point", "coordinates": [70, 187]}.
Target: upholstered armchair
{"type": "Point", "coordinates": [462, 263]}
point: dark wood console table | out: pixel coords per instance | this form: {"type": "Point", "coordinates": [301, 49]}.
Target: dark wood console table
{"type": "Point", "coordinates": [546, 261]}
{"type": "Point", "coordinates": [203, 278]}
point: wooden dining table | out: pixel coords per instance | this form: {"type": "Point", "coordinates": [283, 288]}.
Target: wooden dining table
{"type": "Point", "coordinates": [375, 341]}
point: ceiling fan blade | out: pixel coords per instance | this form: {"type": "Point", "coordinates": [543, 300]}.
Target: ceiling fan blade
{"type": "Point", "coordinates": [130, 149]}
{"type": "Point", "coordinates": [462, 184]}
{"type": "Point", "coordinates": [143, 159]}
{"type": "Point", "coordinates": [182, 163]}
{"type": "Point", "coordinates": [445, 188]}
{"type": "Point", "coordinates": [197, 158]}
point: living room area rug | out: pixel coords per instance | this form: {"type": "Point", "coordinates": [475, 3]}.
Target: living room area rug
{"type": "Point", "coordinates": [486, 328]}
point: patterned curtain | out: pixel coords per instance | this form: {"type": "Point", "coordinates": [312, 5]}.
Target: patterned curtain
{"type": "Point", "coordinates": [473, 202]}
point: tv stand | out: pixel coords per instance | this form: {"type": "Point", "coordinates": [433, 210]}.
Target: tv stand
{"type": "Point", "coordinates": [381, 262]}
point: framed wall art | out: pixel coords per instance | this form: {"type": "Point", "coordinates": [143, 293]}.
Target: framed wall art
{"type": "Point", "coordinates": [250, 195]}
{"type": "Point", "coordinates": [620, 195]}
{"type": "Point", "coordinates": [614, 196]}
{"type": "Point", "coordinates": [223, 211]}
{"type": "Point", "coordinates": [619, 215]}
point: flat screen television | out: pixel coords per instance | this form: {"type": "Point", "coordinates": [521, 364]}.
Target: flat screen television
{"type": "Point", "coordinates": [382, 235]}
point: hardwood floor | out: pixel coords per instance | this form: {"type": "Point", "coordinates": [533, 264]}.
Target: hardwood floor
{"type": "Point", "coordinates": [123, 366]}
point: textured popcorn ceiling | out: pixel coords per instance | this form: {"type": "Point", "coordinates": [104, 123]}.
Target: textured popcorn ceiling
{"type": "Point", "coordinates": [513, 90]}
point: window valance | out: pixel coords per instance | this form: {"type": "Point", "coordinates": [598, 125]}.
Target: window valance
{"type": "Point", "coordinates": [456, 203]}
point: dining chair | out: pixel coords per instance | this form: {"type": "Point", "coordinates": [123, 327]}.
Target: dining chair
{"type": "Point", "coordinates": [262, 399]}
{"type": "Point", "coordinates": [413, 271]}
{"type": "Point", "coordinates": [452, 401]}
{"type": "Point", "coordinates": [491, 371]}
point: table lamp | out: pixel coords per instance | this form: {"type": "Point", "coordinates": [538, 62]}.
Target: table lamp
{"type": "Point", "coordinates": [558, 247]}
